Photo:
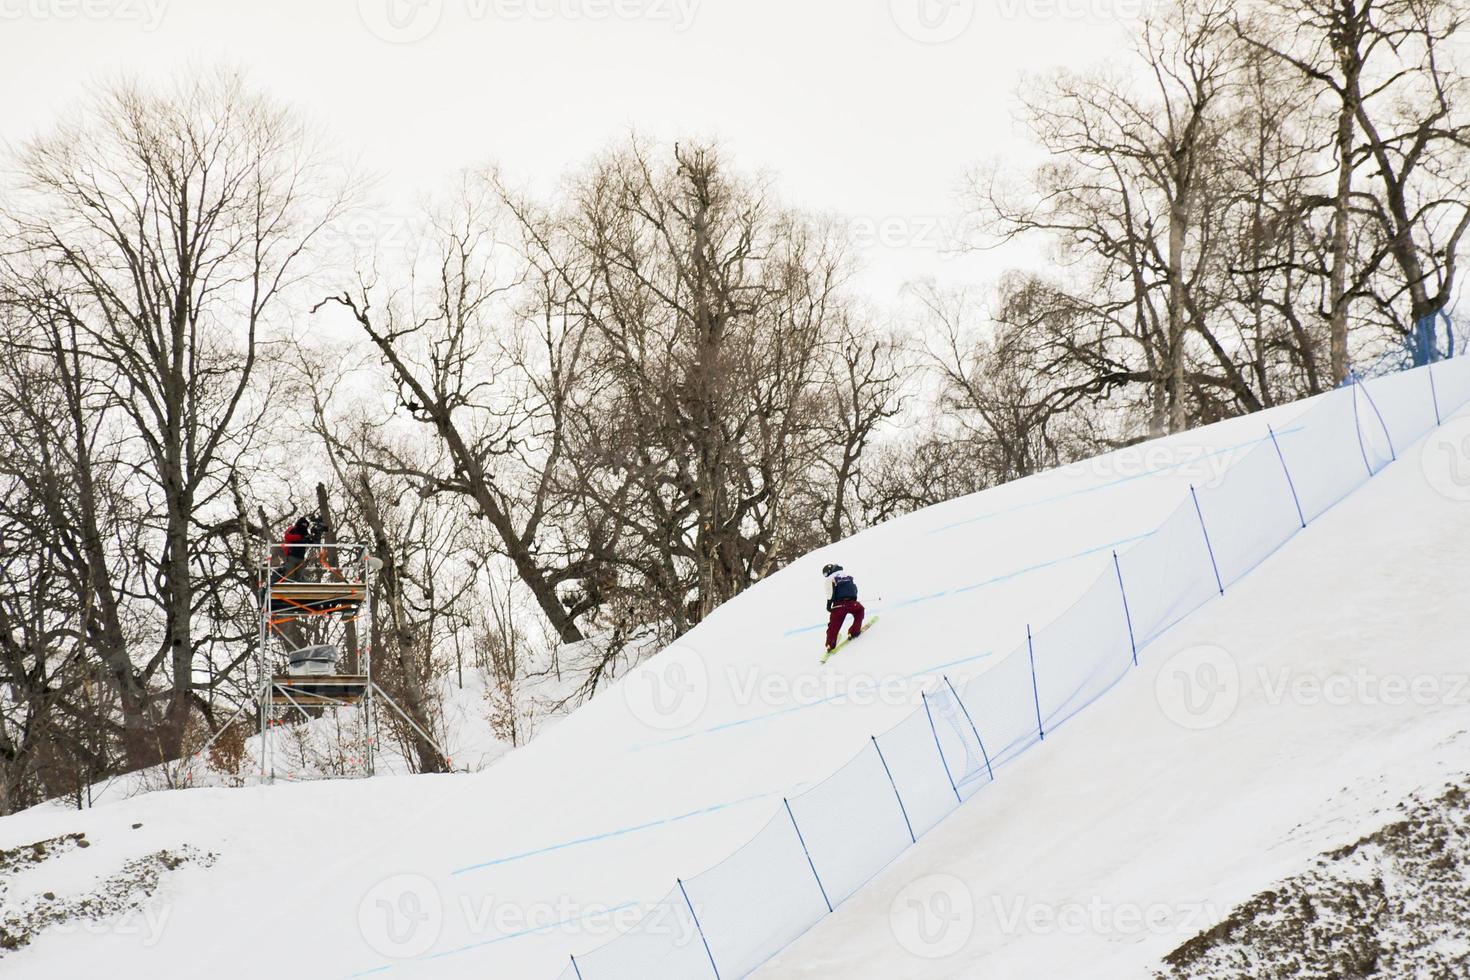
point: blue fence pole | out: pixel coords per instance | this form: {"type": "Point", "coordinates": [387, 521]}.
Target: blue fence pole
{"type": "Point", "coordinates": [978, 740]}
{"type": "Point", "coordinates": [808, 853]}
{"type": "Point", "coordinates": [1358, 427]}
{"type": "Point", "coordinates": [1127, 615]}
{"type": "Point", "coordinates": [699, 928]}
{"type": "Point", "coordinates": [896, 795]}
{"type": "Point", "coordinates": [944, 762]}
{"type": "Point", "coordinates": [1290, 483]}
{"type": "Point", "coordinates": [1387, 437]}
{"type": "Point", "coordinates": [1434, 395]}
{"type": "Point", "coordinates": [1035, 691]}
{"type": "Point", "coordinates": [1206, 531]}
{"type": "Point", "coordinates": [578, 970]}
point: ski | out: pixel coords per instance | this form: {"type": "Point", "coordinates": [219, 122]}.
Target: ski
{"type": "Point", "coordinates": [848, 639]}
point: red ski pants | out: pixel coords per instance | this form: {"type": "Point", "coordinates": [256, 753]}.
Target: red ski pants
{"type": "Point", "coordinates": [839, 613]}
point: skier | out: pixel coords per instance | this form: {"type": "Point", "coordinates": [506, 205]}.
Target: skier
{"type": "Point", "coordinates": [842, 599]}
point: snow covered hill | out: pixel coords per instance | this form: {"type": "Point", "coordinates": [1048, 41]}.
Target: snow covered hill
{"type": "Point", "coordinates": [576, 838]}
{"type": "Point", "coordinates": [1343, 688]}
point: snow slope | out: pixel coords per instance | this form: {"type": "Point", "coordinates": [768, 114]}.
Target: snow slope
{"type": "Point", "coordinates": [1345, 688]}
{"type": "Point", "coordinates": [557, 848]}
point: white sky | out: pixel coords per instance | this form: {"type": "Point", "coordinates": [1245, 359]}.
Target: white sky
{"type": "Point", "coordinates": [870, 108]}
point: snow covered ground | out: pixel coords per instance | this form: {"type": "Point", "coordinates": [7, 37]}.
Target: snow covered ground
{"type": "Point", "coordinates": [555, 849]}
{"type": "Point", "coordinates": [1337, 684]}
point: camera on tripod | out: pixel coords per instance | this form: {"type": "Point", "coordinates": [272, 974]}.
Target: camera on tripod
{"type": "Point", "coordinates": [316, 528]}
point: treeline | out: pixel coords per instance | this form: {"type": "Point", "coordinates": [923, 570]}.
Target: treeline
{"type": "Point", "coordinates": [572, 425]}
{"type": "Point", "coordinates": [1266, 182]}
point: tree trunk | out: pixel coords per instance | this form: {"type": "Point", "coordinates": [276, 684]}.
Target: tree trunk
{"type": "Point", "coordinates": [1340, 242]}
{"type": "Point", "coordinates": [178, 632]}
{"type": "Point", "coordinates": [1178, 228]}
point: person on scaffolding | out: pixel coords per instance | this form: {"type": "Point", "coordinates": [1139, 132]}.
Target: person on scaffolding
{"type": "Point", "coordinates": [296, 546]}
{"type": "Point", "coordinates": [842, 601]}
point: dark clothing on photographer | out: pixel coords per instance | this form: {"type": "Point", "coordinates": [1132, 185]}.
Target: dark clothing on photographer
{"type": "Point", "coordinates": [296, 546]}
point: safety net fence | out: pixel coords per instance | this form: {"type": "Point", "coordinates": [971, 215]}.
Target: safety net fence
{"type": "Point", "coordinates": [821, 846]}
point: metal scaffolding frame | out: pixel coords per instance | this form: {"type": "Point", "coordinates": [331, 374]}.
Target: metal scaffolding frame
{"type": "Point", "coordinates": [293, 599]}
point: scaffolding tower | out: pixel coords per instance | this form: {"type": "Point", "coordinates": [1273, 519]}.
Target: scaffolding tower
{"type": "Point", "coordinates": [316, 642]}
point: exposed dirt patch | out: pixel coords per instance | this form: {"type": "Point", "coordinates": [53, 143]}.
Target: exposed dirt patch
{"type": "Point", "coordinates": [29, 855]}
{"type": "Point", "coordinates": [1394, 904]}
{"type": "Point", "coordinates": [115, 901]}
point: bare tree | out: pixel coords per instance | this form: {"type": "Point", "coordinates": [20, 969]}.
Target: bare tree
{"type": "Point", "coordinates": [707, 315]}
{"type": "Point", "coordinates": [1397, 97]}
{"type": "Point", "coordinates": [868, 376]}
{"type": "Point", "coordinates": [422, 538]}
{"type": "Point", "coordinates": [1272, 251]}
{"type": "Point", "coordinates": [170, 224]}
{"type": "Point", "coordinates": [1016, 391]}
{"type": "Point", "coordinates": [1130, 199]}
{"type": "Point", "coordinates": [68, 503]}
{"type": "Point", "coordinates": [449, 348]}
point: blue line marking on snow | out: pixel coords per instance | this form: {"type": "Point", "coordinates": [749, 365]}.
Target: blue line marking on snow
{"type": "Point", "coordinates": [1054, 561]}
{"type": "Point", "coordinates": [1104, 486]}
{"type": "Point", "coordinates": [532, 931]}
{"type": "Point", "coordinates": [922, 598]}
{"type": "Point", "coordinates": [621, 832]}
{"type": "Point", "coordinates": [990, 581]}
{"type": "Point", "coordinates": [702, 811]}
{"type": "Point", "coordinates": [953, 663]}
{"type": "Point", "coordinates": [594, 838]}
{"type": "Point", "coordinates": [499, 939]}
{"type": "Point", "coordinates": [753, 719]}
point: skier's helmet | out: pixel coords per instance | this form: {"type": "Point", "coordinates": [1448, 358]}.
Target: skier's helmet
{"type": "Point", "coordinates": [829, 569]}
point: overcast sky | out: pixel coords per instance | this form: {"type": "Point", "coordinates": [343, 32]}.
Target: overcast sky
{"type": "Point", "coordinates": [871, 108]}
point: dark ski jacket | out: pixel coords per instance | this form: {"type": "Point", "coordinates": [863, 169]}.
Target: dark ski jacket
{"type": "Point", "coordinates": [841, 587]}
